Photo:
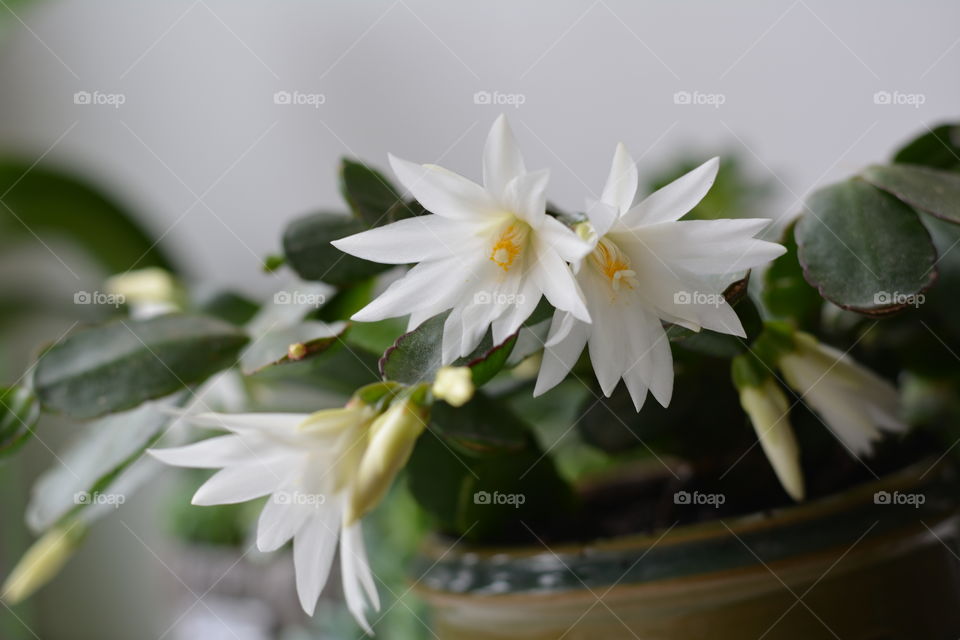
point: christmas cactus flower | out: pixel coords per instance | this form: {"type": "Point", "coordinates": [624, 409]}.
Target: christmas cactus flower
{"type": "Point", "coordinates": [486, 253]}
{"type": "Point", "coordinates": [855, 403]}
{"type": "Point", "coordinates": [309, 465]}
{"type": "Point", "coordinates": [648, 266]}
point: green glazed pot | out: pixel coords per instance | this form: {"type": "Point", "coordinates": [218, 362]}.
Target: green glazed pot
{"type": "Point", "coordinates": [876, 562]}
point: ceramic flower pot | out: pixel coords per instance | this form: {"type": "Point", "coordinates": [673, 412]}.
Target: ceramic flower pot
{"type": "Point", "coordinates": [876, 562]}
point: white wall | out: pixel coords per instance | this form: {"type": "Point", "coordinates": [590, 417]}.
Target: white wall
{"type": "Point", "coordinates": [798, 80]}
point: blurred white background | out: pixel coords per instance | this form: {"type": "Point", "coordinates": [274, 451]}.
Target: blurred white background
{"type": "Point", "coordinates": [805, 91]}
{"type": "Point", "coordinates": [201, 150]}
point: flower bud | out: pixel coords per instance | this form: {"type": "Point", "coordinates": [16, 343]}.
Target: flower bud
{"type": "Point", "coordinates": [392, 437]}
{"type": "Point", "coordinates": [41, 562]}
{"type": "Point", "coordinates": [454, 385]}
{"type": "Point", "coordinates": [769, 409]}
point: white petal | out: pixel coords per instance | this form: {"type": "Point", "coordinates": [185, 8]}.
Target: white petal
{"type": "Point", "coordinates": [444, 192]}
{"type": "Point", "coordinates": [601, 216]}
{"type": "Point", "coordinates": [651, 365]}
{"type": "Point", "coordinates": [212, 453]}
{"type": "Point", "coordinates": [358, 586]}
{"type": "Point", "coordinates": [281, 518]}
{"type": "Point", "coordinates": [555, 279]}
{"type": "Point", "coordinates": [559, 358]}
{"type": "Point", "coordinates": [526, 197]}
{"type": "Point", "coordinates": [244, 482]}
{"type": "Point", "coordinates": [710, 246]}
{"type": "Point", "coordinates": [502, 161]}
{"type": "Point", "coordinates": [415, 239]}
{"type": "Point", "coordinates": [274, 424]}
{"type": "Point", "coordinates": [674, 200]}
{"type": "Point", "coordinates": [313, 549]}
{"type": "Point", "coordinates": [527, 299]}
{"type": "Point", "coordinates": [563, 240]}
{"type": "Point", "coordinates": [621, 186]}
{"type": "Point", "coordinates": [452, 336]}
{"type": "Point", "coordinates": [429, 285]}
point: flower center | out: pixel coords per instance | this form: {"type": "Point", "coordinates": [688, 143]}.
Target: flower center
{"type": "Point", "coordinates": [509, 245]}
{"type": "Point", "coordinates": [614, 265]}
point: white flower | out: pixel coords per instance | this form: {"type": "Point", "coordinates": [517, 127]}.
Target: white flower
{"type": "Point", "coordinates": [648, 266]}
{"type": "Point", "coordinates": [769, 410]}
{"type": "Point", "coordinates": [855, 403]}
{"type": "Point", "coordinates": [307, 464]}
{"type": "Point", "coordinates": [487, 253]}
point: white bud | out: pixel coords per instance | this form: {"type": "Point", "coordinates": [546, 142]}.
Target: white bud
{"type": "Point", "coordinates": [454, 385]}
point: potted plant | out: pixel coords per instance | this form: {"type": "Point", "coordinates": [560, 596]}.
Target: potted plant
{"type": "Point", "coordinates": [612, 427]}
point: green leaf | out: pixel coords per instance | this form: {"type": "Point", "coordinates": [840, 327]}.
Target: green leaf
{"type": "Point", "coordinates": [347, 301]}
{"type": "Point", "coordinates": [99, 452]}
{"type": "Point", "coordinates": [272, 348]}
{"type": "Point", "coordinates": [786, 294]}
{"type": "Point", "coordinates": [19, 411]}
{"type": "Point", "coordinates": [938, 148]}
{"type": "Point", "coordinates": [931, 190]}
{"type": "Point", "coordinates": [119, 365]}
{"type": "Point", "coordinates": [863, 249]}
{"type": "Point", "coordinates": [372, 198]}
{"type": "Point", "coordinates": [481, 426]}
{"type": "Point", "coordinates": [416, 356]}
{"type": "Point", "coordinates": [306, 244]}
{"type": "Point", "coordinates": [487, 499]}
{"type": "Point", "coordinates": [50, 203]}
{"type": "Point", "coordinates": [230, 307]}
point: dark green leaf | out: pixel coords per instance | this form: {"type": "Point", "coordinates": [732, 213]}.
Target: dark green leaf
{"type": "Point", "coordinates": [49, 203]}
{"type": "Point", "coordinates": [487, 499]}
{"type": "Point", "coordinates": [347, 301]}
{"type": "Point", "coordinates": [863, 249]}
{"type": "Point", "coordinates": [121, 364]}
{"type": "Point", "coordinates": [306, 244]}
{"type": "Point", "coordinates": [416, 356]}
{"type": "Point", "coordinates": [938, 148]}
{"type": "Point", "coordinates": [372, 198]}
{"type": "Point", "coordinates": [931, 190]}
{"type": "Point", "coordinates": [230, 307]}
{"type": "Point", "coordinates": [19, 412]}
{"type": "Point", "coordinates": [481, 426]}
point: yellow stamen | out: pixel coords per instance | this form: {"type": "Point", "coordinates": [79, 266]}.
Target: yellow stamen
{"type": "Point", "coordinates": [614, 264]}
{"type": "Point", "coordinates": [508, 246]}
